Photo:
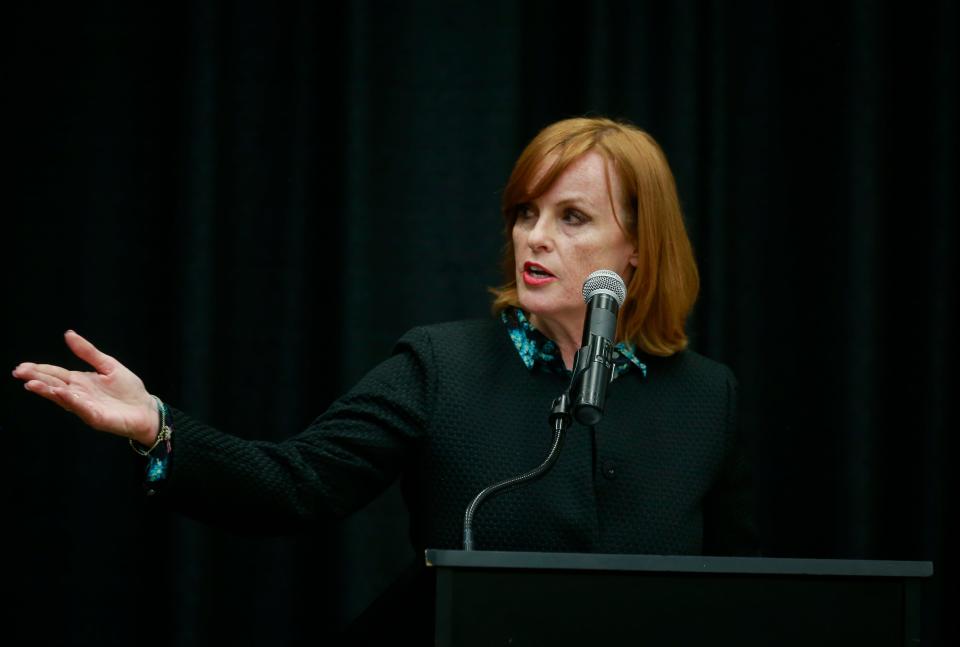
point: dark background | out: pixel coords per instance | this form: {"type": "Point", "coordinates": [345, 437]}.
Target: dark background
{"type": "Point", "coordinates": [247, 203]}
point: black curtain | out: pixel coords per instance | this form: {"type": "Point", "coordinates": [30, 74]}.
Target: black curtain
{"type": "Point", "coordinates": [248, 203]}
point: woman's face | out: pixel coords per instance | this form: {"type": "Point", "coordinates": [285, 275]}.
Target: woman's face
{"type": "Point", "coordinates": [565, 234]}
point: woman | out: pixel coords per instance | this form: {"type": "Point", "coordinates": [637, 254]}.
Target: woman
{"type": "Point", "coordinates": [462, 405]}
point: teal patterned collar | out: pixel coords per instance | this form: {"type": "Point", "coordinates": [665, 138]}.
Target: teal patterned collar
{"type": "Point", "coordinates": [536, 348]}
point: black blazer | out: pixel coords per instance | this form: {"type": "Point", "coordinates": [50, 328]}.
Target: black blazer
{"type": "Point", "coordinates": [453, 410]}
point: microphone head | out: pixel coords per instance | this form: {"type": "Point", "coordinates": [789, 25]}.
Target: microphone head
{"type": "Point", "coordinates": [605, 282]}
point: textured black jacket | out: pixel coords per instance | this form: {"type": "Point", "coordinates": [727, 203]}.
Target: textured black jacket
{"type": "Point", "coordinates": [453, 410]}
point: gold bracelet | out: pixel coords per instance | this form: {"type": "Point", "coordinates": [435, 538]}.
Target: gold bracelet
{"type": "Point", "coordinates": [162, 436]}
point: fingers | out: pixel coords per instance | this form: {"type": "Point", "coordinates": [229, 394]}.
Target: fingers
{"type": "Point", "coordinates": [47, 373]}
{"type": "Point", "coordinates": [59, 376]}
{"type": "Point", "coordinates": [101, 362]}
{"type": "Point", "coordinates": [56, 377]}
{"type": "Point", "coordinates": [53, 375]}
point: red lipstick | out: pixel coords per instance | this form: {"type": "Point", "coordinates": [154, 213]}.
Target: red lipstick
{"type": "Point", "coordinates": [536, 274]}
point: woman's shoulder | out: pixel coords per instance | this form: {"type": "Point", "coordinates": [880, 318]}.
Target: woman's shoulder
{"type": "Point", "coordinates": [689, 364]}
{"type": "Point", "coordinates": [471, 331]}
{"type": "Point", "coordinates": [462, 340]}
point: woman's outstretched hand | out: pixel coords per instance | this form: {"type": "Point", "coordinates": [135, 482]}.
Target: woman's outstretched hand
{"type": "Point", "coordinates": [110, 398]}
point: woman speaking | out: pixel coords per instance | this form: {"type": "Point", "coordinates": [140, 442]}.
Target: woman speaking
{"type": "Point", "coordinates": [459, 406]}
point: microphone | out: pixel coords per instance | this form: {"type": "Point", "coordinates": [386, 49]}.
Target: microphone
{"type": "Point", "coordinates": [604, 292]}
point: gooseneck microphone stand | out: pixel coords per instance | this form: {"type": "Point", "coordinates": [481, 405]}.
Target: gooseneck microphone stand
{"type": "Point", "coordinates": [560, 419]}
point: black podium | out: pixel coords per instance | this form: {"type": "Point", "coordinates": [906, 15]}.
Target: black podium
{"type": "Point", "coordinates": [506, 598]}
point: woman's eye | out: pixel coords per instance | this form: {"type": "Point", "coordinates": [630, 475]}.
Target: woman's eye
{"type": "Point", "coordinates": [524, 212]}
{"type": "Point", "coordinates": [574, 217]}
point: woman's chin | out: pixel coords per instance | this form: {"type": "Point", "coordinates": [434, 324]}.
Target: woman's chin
{"type": "Point", "coordinates": [532, 303]}
{"type": "Point", "coordinates": [538, 307]}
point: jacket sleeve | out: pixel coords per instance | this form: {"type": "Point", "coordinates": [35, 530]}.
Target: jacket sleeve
{"type": "Point", "coordinates": [729, 509]}
{"type": "Point", "coordinates": [338, 464]}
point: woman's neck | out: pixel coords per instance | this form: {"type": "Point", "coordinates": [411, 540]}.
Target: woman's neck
{"type": "Point", "coordinates": [565, 334]}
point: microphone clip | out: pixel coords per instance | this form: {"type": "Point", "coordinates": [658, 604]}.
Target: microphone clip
{"type": "Point", "coordinates": [560, 417]}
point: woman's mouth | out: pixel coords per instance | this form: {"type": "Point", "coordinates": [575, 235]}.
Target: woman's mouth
{"type": "Point", "coordinates": [536, 274]}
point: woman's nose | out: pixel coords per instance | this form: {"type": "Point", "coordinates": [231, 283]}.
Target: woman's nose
{"type": "Point", "coordinates": [540, 236]}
